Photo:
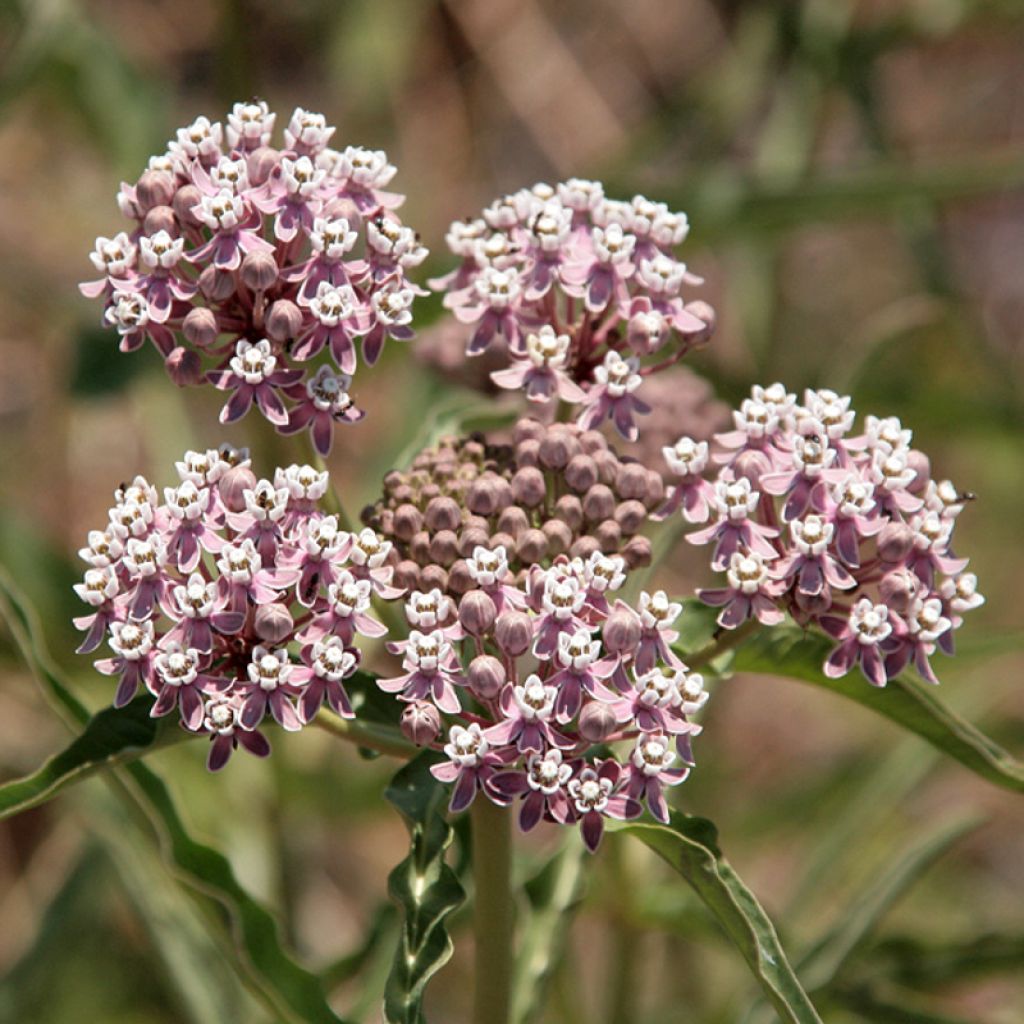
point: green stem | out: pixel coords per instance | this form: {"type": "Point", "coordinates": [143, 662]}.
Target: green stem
{"type": "Point", "coordinates": [725, 642]}
{"type": "Point", "coordinates": [492, 912]}
{"type": "Point", "coordinates": [364, 734]}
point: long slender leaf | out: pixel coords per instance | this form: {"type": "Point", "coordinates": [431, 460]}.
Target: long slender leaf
{"type": "Point", "coordinates": [690, 846]}
{"type": "Point", "coordinates": [914, 964]}
{"type": "Point", "coordinates": [112, 736]}
{"type": "Point", "coordinates": [786, 651]}
{"type": "Point", "coordinates": [295, 994]}
{"type": "Point", "coordinates": [424, 887]}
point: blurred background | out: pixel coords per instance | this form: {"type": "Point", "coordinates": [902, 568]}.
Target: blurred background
{"type": "Point", "coordinates": [854, 175]}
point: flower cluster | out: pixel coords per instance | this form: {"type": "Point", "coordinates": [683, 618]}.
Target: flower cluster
{"type": "Point", "coordinates": [555, 490]}
{"type": "Point", "coordinates": [845, 530]}
{"type": "Point", "coordinates": [232, 599]}
{"type": "Point", "coordinates": [536, 685]}
{"type": "Point", "coordinates": [585, 292]}
{"type": "Point", "coordinates": [253, 261]}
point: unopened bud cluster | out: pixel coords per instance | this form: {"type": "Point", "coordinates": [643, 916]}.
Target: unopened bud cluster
{"type": "Point", "coordinates": [246, 265]}
{"type": "Point", "coordinates": [585, 292]}
{"type": "Point", "coordinates": [557, 489]}
{"type": "Point", "coordinates": [518, 682]}
{"type": "Point", "coordinates": [845, 530]}
{"type": "Point", "coordinates": [231, 599]}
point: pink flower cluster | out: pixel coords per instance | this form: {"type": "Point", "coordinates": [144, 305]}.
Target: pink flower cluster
{"type": "Point", "coordinates": [539, 681]}
{"type": "Point", "coordinates": [231, 599]}
{"type": "Point", "coordinates": [848, 531]}
{"type": "Point", "coordinates": [585, 292]}
{"type": "Point", "coordinates": [244, 258]}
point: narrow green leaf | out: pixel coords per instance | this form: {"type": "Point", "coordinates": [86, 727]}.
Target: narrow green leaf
{"type": "Point", "coordinates": [787, 651]}
{"type": "Point", "coordinates": [690, 846]}
{"type": "Point", "coordinates": [425, 888]}
{"type": "Point", "coordinates": [295, 994]}
{"type": "Point", "coordinates": [553, 897]}
{"type": "Point", "coordinates": [856, 924]}
{"type": "Point", "coordinates": [112, 736]}
{"type": "Point", "coordinates": [914, 964]}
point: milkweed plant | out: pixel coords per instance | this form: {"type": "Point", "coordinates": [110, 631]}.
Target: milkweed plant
{"type": "Point", "coordinates": [490, 619]}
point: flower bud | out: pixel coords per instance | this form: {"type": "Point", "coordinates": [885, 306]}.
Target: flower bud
{"type": "Point", "coordinates": [608, 536]}
{"type": "Point", "coordinates": [407, 575]}
{"type": "Point", "coordinates": [556, 449]}
{"type": "Point", "coordinates": [637, 552]}
{"type": "Point", "coordinates": [621, 631]}
{"type": "Point", "coordinates": [187, 197]}
{"type": "Point", "coordinates": [528, 487]}
{"type": "Point", "coordinates": [154, 188]}
{"type": "Point", "coordinates": [406, 522]}
{"type": "Point", "coordinates": [184, 367]}
{"type": "Point", "coordinates": [598, 503]}
{"type": "Point", "coordinates": [898, 589]}
{"type": "Point", "coordinates": [592, 441]}
{"type": "Point", "coordinates": [815, 604]}
{"type": "Point", "coordinates": [513, 520]}
{"type": "Point", "coordinates": [200, 327]}
{"type": "Point", "coordinates": [569, 509]}
{"type": "Point", "coordinates": [583, 547]}
{"type": "Point", "coordinates": [704, 312]}
{"type": "Point", "coordinates": [444, 547]}
{"type": "Point", "coordinates": [631, 481]}
{"type": "Point", "coordinates": [273, 622]}
{"type": "Point", "coordinates": [484, 495]}
{"type": "Point", "coordinates": [261, 164]}
{"type": "Point", "coordinates": [259, 271]}
{"type": "Point", "coordinates": [527, 429]}
{"type": "Point", "coordinates": [421, 723]}
{"type": "Point", "coordinates": [442, 514]}
{"type": "Point", "coordinates": [477, 612]}
{"type": "Point", "coordinates": [513, 632]}
{"type": "Point", "coordinates": [459, 578]}
{"type": "Point", "coordinates": [528, 453]}
{"type": "Point", "coordinates": [486, 676]}
{"type": "Point", "coordinates": [630, 516]}
{"type": "Point", "coordinates": [216, 285]}
{"type": "Point", "coordinates": [751, 465]}
{"type": "Point", "coordinates": [502, 539]}
{"type": "Point", "coordinates": [160, 218]}
{"type": "Point", "coordinates": [233, 485]}
{"type": "Point", "coordinates": [894, 542]}
{"type": "Point", "coordinates": [433, 576]}
{"type": "Point", "coordinates": [558, 535]}
{"type": "Point", "coordinates": [597, 721]}
{"type": "Point", "coordinates": [284, 320]}
{"type": "Point", "coordinates": [419, 547]}
{"type": "Point", "coordinates": [531, 547]}
{"type": "Point", "coordinates": [581, 473]}
{"type": "Point", "coordinates": [472, 538]}
{"type": "Point", "coordinates": [608, 464]}
{"type": "Point", "coordinates": [655, 489]}
{"type": "Point", "coordinates": [921, 465]}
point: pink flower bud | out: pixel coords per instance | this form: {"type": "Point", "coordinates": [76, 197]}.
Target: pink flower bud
{"type": "Point", "coordinates": [154, 188]}
{"type": "Point", "coordinates": [200, 327]}
{"type": "Point", "coordinates": [592, 441]}
{"type": "Point", "coordinates": [527, 429]}
{"type": "Point", "coordinates": [621, 631]}
{"type": "Point", "coordinates": [630, 516]}
{"type": "Point", "coordinates": [608, 465]}
{"type": "Point", "coordinates": [444, 547]}
{"type": "Point", "coordinates": [485, 495]}
{"type": "Point", "coordinates": [184, 367]}
{"type": "Point", "coordinates": [531, 547]}
{"type": "Point", "coordinates": [921, 465]}
{"type": "Point", "coordinates": [160, 218]}
{"type": "Point", "coordinates": [894, 542]}
{"type": "Point", "coordinates": [486, 676]}
{"type": "Point", "coordinates": [597, 722]}
{"type": "Point", "coordinates": [407, 575]}
{"type": "Point", "coordinates": [259, 271]}
{"type": "Point", "coordinates": [557, 448]}
{"type": "Point", "coordinates": [443, 514]}
{"type": "Point", "coordinates": [471, 538]}
{"type": "Point", "coordinates": [421, 723]}
{"type": "Point", "coordinates": [751, 465]}
{"type": "Point", "coordinates": [637, 552]}
{"type": "Point", "coordinates": [273, 622]}
{"type": "Point", "coordinates": [655, 489]}
{"type": "Point", "coordinates": [216, 285]}
{"type": "Point", "coordinates": [261, 164]}
{"type": "Point", "coordinates": [899, 588]}
{"type": "Point", "coordinates": [284, 320]}
{"type": "Point", "coordinates": [433, 576]}
{"type": "Point", "coordinates": [513, 521]}
{"type": "Point", "coordinates": [459, 578]}
{"type": "Point", "coordinates": [569, 509]}
{"type": "Point", "coordinates": [581, 473]}
{"type": "Point", "coordinates": [584, 547]}
{"type": "Point", "coordinates": [406, 522]}
{"type": "Point", "coordinates": [598, 503]}
{"type": "Point", "coordinates": [513, 632]}
{"type": "Point", "coordinates": [187, 197]}
{"type": "Point", "coordinates": [608, 536]}
{"type": "Point", "coordinates": [558, 535]}
{"type": "Point", "coordinates": [631, 481]}
{"type": "Point", "coordinates": [233, 485]}
{"type": "Point", "coordinates": [528, 453]}
{"type": "Point", "coordinates": [528, 487]}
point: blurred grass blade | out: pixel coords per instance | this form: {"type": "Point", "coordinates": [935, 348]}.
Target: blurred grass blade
{"type": "Point", "coordinates": [294, 993]}
{"type": "Point", "coordinates": [424, 887]}
{"type": "Point", "coordinates": [689, 845]}
{"type": "Point", "coordinates": [112, 736]}
{"type": "Point", "coordinates": [912, 963]}
{"type": "Point", "coordinates": [554, 895]}
{"type": "Point", "coordinates": [787, 651]}
{"type": "Point", "coordinates": [856, 923]}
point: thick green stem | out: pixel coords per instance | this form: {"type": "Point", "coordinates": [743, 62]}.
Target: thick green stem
{"type": "Point", "coordinates": [492, 911]}
{"type": "Point", "coordinates": [726, 641]}
{"type": "Point", "coordinates": [366, 734]}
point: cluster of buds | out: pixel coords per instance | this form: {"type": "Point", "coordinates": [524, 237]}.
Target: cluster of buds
{"type": "Point", "coordinates": [557, 489]}
{"type": "Point", "coordinates": [232, 599]}
{"type": "Point", "coordinates": [550, 692]}
{"type": "Point", "coordinates": [242, 266]}
{"type": "Point", "coordinates": [584, 292]}
{"type": "Point", "coordinates": [847, 531]}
